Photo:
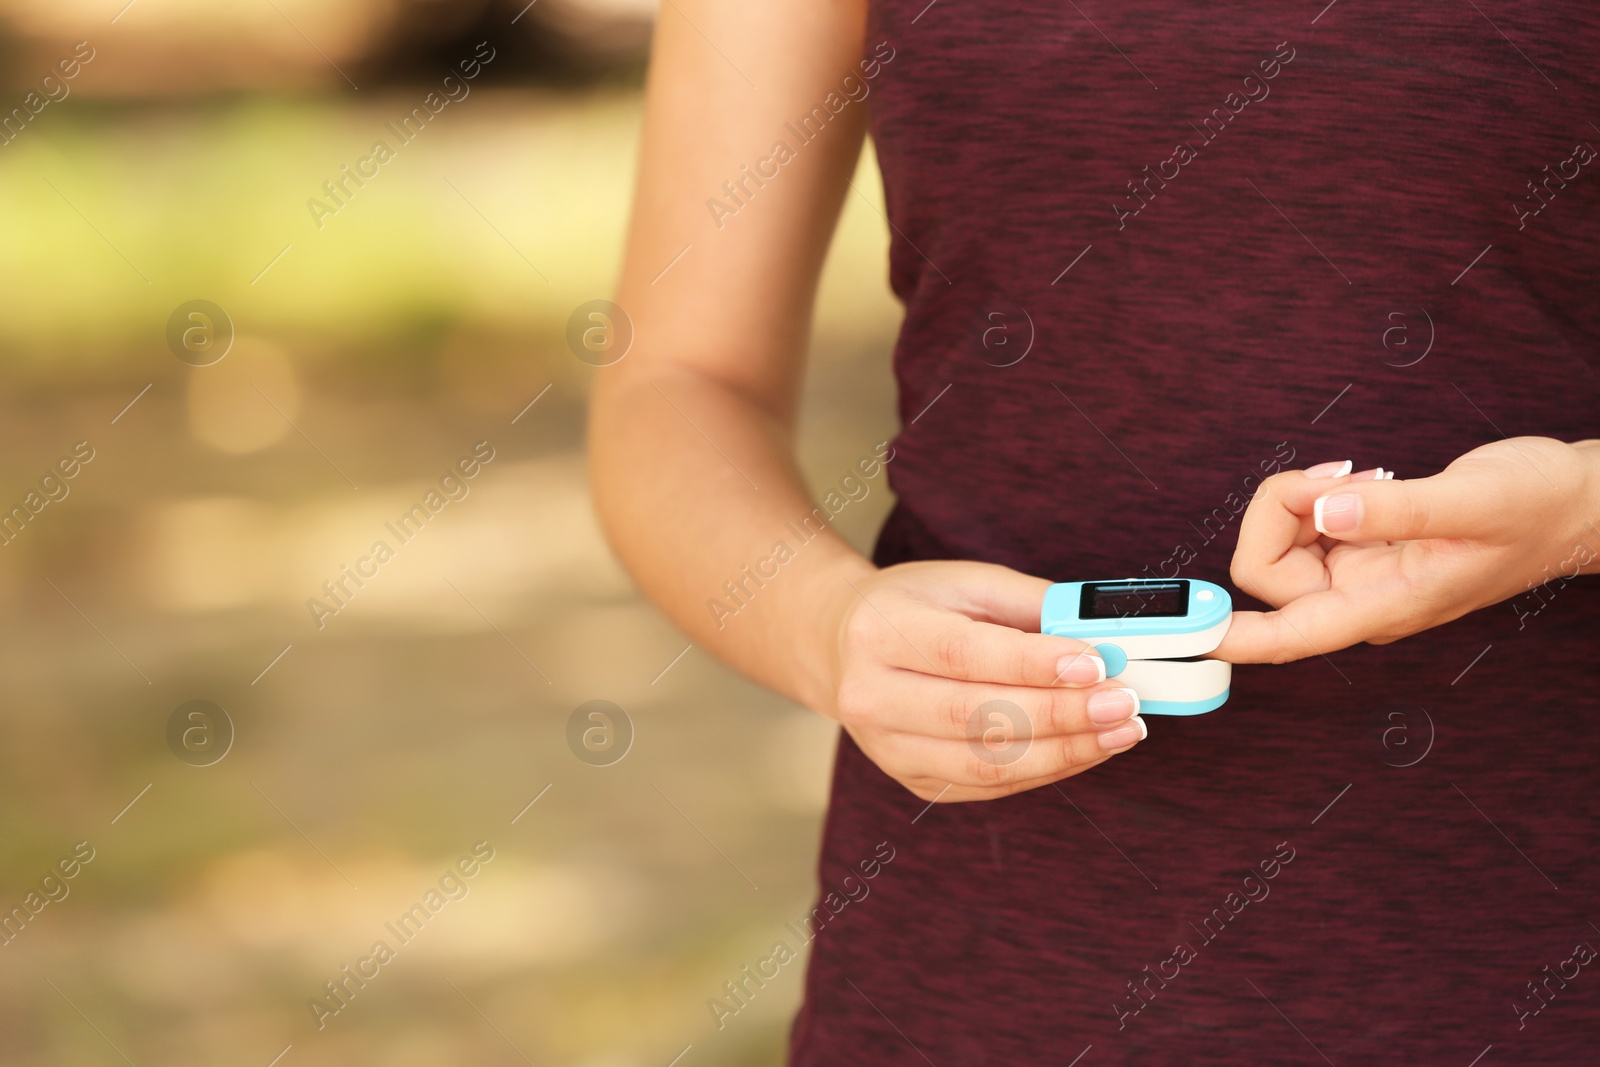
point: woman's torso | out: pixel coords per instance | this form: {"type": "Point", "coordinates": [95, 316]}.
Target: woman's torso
{"type": "Point", "coordinates": [1342, 260]}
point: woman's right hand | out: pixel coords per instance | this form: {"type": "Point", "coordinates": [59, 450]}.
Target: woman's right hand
{"type": "Point", "coordinates": [940, 675]}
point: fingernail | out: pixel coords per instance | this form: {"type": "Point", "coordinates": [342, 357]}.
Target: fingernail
{"type": "Point", "coordinates": [1337, 513]}
{"type": "Point", "coordinates": [1374, 475]}
{"type": "Point", "coordinates": [1112, 705]}
{"type": "Point", "coordinates": [1332, 469]}
{"type": "Point", "coordinates": [1081, 668]}
{"type": "Point", "coordinates": [1129, 733]}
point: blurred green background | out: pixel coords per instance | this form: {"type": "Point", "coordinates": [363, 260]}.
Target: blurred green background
{"type": "Point", "coordinates": [370, 354]}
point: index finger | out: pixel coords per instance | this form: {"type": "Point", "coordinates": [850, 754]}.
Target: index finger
{"type": "Point", "coordinates": [1311, 625]}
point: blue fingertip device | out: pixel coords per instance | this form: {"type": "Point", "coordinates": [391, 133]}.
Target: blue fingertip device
{"type": "Point", "coordinates": [1150, 632]}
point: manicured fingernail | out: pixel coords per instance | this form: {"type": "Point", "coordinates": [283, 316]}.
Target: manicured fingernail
{"type": "Point", "coordinates": [1129, 733]}
{"type": "Point", "coordinates": [1332, 469]}
{"type": "Point", "coordinates": [1374, 475]}
{"type": "Point", "coordinates": [1337, 513]}
{"type": "Point", "coordinates": [1084, 668]}
{"type": "Point", "coordinates": [1112, 705]}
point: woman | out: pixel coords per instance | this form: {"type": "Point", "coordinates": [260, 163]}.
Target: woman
{"type": "Point", "coordinates": [1246, 243]}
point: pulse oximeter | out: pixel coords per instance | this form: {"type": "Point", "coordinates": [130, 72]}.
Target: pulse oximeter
{"type": "Point", "coordinates": [1147, 630]}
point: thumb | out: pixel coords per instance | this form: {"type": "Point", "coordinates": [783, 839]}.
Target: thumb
{"type": "Point", "coordinates": [1463, 504]}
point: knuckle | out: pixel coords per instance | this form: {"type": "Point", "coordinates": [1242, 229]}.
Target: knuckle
{"type": "Point", "coordinates": [987, 773]}
{"type": "Point", "coordinates": [1416, 513]}
{"type": "Point", "coordinates": [1288, 646]}
{"type": "Point", "coordinates": [1275, 486]}
{"type": "Point", "coordinates": [889, 756]}
{"type": "Point", "coordinates": [1243, 575]}
{"type": "Point", "coordinates": [955, 713]}
{"type": "Point", "coordinates": [1017, 663]}
{"type": "Point", "coordinates": [854, 700]}
{"type": "Point", "coordinates": [1078, 751]}
{"type": "Point", "coordinates": [1060, 712]}
{"type": "Point", "coordinates": [1012, 788]}
{"type": "Point", "coordinates": [861, 628]}
{"type": "Point", "coordinates": [1281, 479]}
{"type": "Point", "coordinates": [951, 653]}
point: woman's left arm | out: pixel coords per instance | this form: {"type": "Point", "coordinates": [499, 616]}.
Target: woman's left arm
{"type": "Point", "coordinates": [1358, 558]}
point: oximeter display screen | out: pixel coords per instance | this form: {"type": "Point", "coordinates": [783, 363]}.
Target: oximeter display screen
{"type": "Point", "coordinates": [1122, 600]}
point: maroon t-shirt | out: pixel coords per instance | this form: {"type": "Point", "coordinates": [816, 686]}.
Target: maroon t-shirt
{"type": "Point", "coordinates": [1145, 260]}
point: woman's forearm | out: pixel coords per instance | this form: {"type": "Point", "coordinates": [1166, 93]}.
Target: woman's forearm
{"type": "Point", "coordinates": [700, 496]}
{"type": "Point", "coordinates": [691, 432]}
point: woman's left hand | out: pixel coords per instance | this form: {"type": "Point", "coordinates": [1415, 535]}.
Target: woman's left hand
{"type": "Point", "coordinates": [1359, 558]}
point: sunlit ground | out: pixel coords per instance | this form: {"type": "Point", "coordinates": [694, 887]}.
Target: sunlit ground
{"type": "Point", "coordinates": [427, 713]}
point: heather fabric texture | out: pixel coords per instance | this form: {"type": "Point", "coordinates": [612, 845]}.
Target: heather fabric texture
{"type": "Point", "coordinates": [1343, 259]}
